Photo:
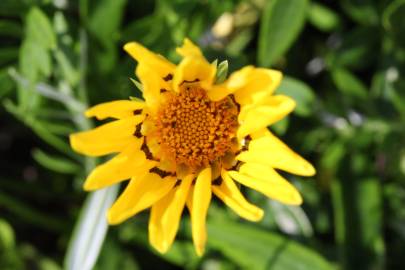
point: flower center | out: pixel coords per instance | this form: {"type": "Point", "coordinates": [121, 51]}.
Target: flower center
{"type": "Point", "coordinates": [195, 131]}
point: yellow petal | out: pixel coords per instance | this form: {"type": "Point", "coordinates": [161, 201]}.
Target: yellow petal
{"type": "Point", "coordinates": [256, 117]}
{"type": "Point", "coordinates": [270, 184]}
{"type": "Point", "coordinates": [229, 193]}
{"type": "Point", "coordinates": [157, 63]}
{"type": "Point", "coordinates": [106, 139]}
{"type": "Point", "coordinates": [236, 81]}
{"type": "Point", "coordinates": [249, 85]}
{"type": "Point", "coordinates": [193, 69]}
{"type": "Point", "coordinates": [262, 82]}
{"type": "Point", "coordinates": [152, 85]}
{"type": "Point", "coordinates": [126, 164]}
{"type": "Point", "coordinates": [115, 109]}
{"type": "Point", "coordinates": [200, 204]}
{"type": "Point", "coordinates": [271, 151]}
{"type": "Point", "coordinates": [156, 228]}
{"type": "Point", "coordinates": [165, 216]}
{"type": "Point", "coordinates": [188, 49]}
{"type": "Point", "coordinates": [141, 193]}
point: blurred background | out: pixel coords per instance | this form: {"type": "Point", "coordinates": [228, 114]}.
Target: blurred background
{"type": "Point", "coordinates": [343, 63]}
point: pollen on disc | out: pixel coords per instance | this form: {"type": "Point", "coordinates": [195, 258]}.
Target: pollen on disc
{"type": "Point", "coordinates": [193, 130]}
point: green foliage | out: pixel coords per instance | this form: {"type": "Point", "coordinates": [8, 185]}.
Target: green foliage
{"type": "Point", "coordinates": [259, 249]}
{"type": "Point", "coordinates": [343, 64]}
{"type": "Point", "coordinates": [281, 22]}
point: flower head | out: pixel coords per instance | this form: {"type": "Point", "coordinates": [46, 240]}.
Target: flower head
{"type": "Point", "coordinates": [188, 139]}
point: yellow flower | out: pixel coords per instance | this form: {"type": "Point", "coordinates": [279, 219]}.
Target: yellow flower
{"type": "Point", "coordinates": [188, 139]}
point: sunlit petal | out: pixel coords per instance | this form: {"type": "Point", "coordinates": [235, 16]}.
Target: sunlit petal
{"type": "Point", "coordinates": [230, 194]}
{"type": "Point", "coordinates": [108, 138]}
{"type": "Point", "coordinates": [141, 193]}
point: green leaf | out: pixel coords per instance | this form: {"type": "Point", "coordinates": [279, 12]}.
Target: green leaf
{"type": "Point", "coordinates": [349, 84]}
{"type": "Point", "coordinates": [5, 82]}
{"type": "Point", "coordinates": [137, 84]}
{"type": "Point", "coordinates": [90, 230]}
{"type": "Point", "coordinates": [7, 237]}
{"type": "Point", "coordinates": [281, 23]}
{"type": "Point", "coordinates": [253, 248]}
{"type": "Point", "coordinates": [39, 28]}
{"type": "Point", "coordinates": [364, 12]}
{"type": "Point", "coordinates": [358, 220]}
{"type": "Point", "coordinates": [222, 72]}
{"type": "Point", "coordinates": [300, 92]}
{"type": "Point", "coordinates": [55, 163]}
{"type": "Point", "coordinates": [34, 60]}
{"type": "Point", "coordinates": [68, 71]}
{"type": "Point", "coordinates": [322, 17]}
{"type": "Point", "coordinates": [105, 20]}
{"type": "Point", "coordinates": [394, 20]}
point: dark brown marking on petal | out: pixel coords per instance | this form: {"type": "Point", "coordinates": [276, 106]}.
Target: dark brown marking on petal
{"type": "Point", "coordinates": [217, 181]}
{"type": "Point", "coordinates": [137, 112]}
{"type": "Point", "coordinates": [248, 139]}
{"type": "Point", "coordinates": [147, 152]}
{"type": "Point", "coordinates": [236, 166]}
{"type": "Point", "coordinates": [161, 172]}
{"type": "Point", "coordinates": [163, 90]}
{"type": "Point", "coordinates": [246, 146]}
{"type": "Point", "coordinates": [185, 81]}
{"type": "Point", "coordinates": [232, 96]}
{"type": "Point", "coordinates": [138, 132]}
{"type": "Point", "coordinates": [178, 182]}
{"type": "Point", "coordinates": [168, 77]}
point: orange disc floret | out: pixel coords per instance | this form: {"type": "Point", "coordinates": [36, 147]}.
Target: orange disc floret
{"type": "Point", "coordinates": [195, 131]}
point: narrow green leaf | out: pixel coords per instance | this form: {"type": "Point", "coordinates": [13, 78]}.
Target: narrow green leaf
{"type": "Point", "coordinates": [222, 72]}
{"type": "Point", "coordinates": [253, 248]}
{"type": "Point", "coordinates": [322, 17]}
{"type": "Point", "coordinates": [358, 221]}
{"type": "Point", "coordinates": [107, 30]}
{"type": "Point", "coordinates": [394, 21]}
{"type": "Point", "coordinates": [7, 237]}
{"type": "Point", "coordinates": [34, 60]}
{"type": "Point", "coordinates": [281, 23]}
{"type": "Point", "coordinates": [5, 82]}
{"type": "Point", "coordinates": [69, 73]}
{"type": "Point", "coordinates": [137, 84]}
{"type": "Point", "coordinates": [349, 84]}
{"type": "Point", "coordinates": [55, 163]}
{"type": "Point", "coordinates": [90, 230]}
{"type": "Point", "coordinates": [364, 12]}
{"type": "Point", "coordinates": [39, 28]}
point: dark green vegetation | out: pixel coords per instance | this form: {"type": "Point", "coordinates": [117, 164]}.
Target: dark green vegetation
{"type": "Point", "coordinates": [343, 61]}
